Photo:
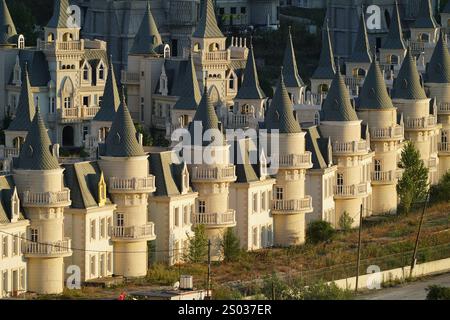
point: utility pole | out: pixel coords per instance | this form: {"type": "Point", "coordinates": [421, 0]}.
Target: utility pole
{"type": "Point", "coordinates": [416, 245]}
{"type": "Point", "coordinates": [358, 262]}
{"type": "Point", "coordinates": [208, 280]}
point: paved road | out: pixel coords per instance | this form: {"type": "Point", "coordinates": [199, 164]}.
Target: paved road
{"type": "Point", "coordinates": [410, 291]}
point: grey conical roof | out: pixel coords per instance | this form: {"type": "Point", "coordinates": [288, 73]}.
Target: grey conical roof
{"type": "Point", "coordinates": [147, 39]}
{"type": "Point", "coordinates": [326, 68]}
{"type": "Point", "coordinates": [373, 94]}
{"type": "Point", "coordinates": [36, 152]}
{"type": "Point", "coordinates": [207, 26]}
{"type": "Point", "coordinates": [425, 19]}
{"type": "Point", "coordinates": [361, 50]}
{"type": "Point", "coordinates": [111, 98]}
{"type": "Point", "coordinates": [394, 39]}
{"type": "Point", "coordinates": [280, 115]}
{"type": "Point", "coordinates": [60, 16]}
{"type": "Point", "coordinates": [290, 70]}
{"type": "Point", "coordinates": [8, 30]}
{"type": "Point", "coordinates": [250, 88]}
{"type": "Point", "coordinates": [438, 69]}
{"type": "Point", "coordinates": [407, 85]}
{"type": "Point", "coordinates": [122, 138]}
{"type": "Point", "coordinates": [190, 96]}
{"type": "Point", "coordinates": [337, 105]}
{"type": "Point", "coordinates": [25, 110]}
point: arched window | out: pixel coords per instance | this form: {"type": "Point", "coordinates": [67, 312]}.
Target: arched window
{"type": "Point", "coordinates": [213, 47]}
{"type": "Point", "coordinates": [359, 72]}
{"type": "Point", "coordinates": [323, 88]}
{"type": "Point", "coordinates": [86, 73]}
{"type": "Point", "coordinates": [21, 42]}
{"type": "Point", "coordinates": [50, 37]}
{"type": "Point", "coordinates": [166, 52]}
{"type": "Point", "coordinates": [393, 59]}
{"type": "Point", "coordinates": [424, 37]}
{"type": "Point", "coordinates": [197, 47]}
{"type": "Point", "coordinates": [101, 72]}
{"type": "Point", "coordinates": [67, 37]}
{"type": "Point", "coordinates": [340, 183]}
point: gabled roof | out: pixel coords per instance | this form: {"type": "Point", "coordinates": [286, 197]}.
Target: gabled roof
{"type": "Point", "coordinates": [320, 148]}
{"type": "Point", "coordinates": [407, 85]}
{"type": "Point", "coordinates": [326, 68]}
{"type": "Point", "coordinates": [361, 50]}
{"type": "Point", "coordinates": [25, 110]}
{"type": "Point", "coordinates": [111, 98]}
{"type": "Point", "coordinates": [337, 105]}
{"type": "Point", "coordinates": [82, 179]}
{"type": "Point", "coordinates": [250, 88]}
{"type": "Point", "coordinates": [190, 94]}
{"type": "Point", "coordinates": [280, 115]}
{"type": "Point", "coordinates": [60, 16]}
{"type": "Point", "coordinates": [394, 39]}
{"type": "Point", "coordinates": [373, 94]}
{"type": "Point", "coordinates": [168, 175]}
{"type": "Point", "coordinates": [36, 153]}
{"type": "Point", "coordinates": [438, 69]}
{"type": "Point", "coordinates": [147, 39]}
{"type": "Point", "coordinates": [425, 19]}
{"type": "Point", "coordinates": [37, 66]}
{"type": "Point", "coordinates": [7, 28]}
{"type": "Point", "coordinates": [290, 70]}
{"type": "Point", "coordinates": [7, 187]}
{"type": "Point", "coordinates": [207, 26]}
{"type": "Point", "coordinates": [122, 140]}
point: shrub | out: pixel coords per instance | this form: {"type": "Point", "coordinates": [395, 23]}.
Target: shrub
{"type": "Point", "coordinates": [225, 293]}
{"type": "Point", "coordinates": [438, 293]}
{"type": "Point", "coordinates": [320, 231]}
{"type": "Point", "coordinates": [441, 192]}
{"type": "Point", "coordinates": [346, 222]}
{"type": "Point", "coordinates": [198, 245]}
{"type": "Point", "coordinates": [230, 246]}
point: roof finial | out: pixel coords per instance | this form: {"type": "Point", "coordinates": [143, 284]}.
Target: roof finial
{"type": "Point", "coordinates": [281, 74]}
{"type": "Point", "coordinates": [123, 94]}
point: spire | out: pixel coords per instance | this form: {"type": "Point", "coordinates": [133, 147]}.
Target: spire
{"type": "Point", "coordinates": [361, 50]}
{"type": "Point", "coordinates": [373, 94]}
{"type": "Point", "coordinates": [25, 110]}
{"type": "Point", "coordinates": [290, 70]}
{"type": "Point", "coordinates": [111, 97]}
{"type": "Point", "coordinates": [250, 88]}
{"type": "Point", "coordinates": [207, 26]}
{"type": "Point", "coordinates": [60, 16]}
{"type": "Point", "coordinates": [280, 115]}
{"type": "Point", "coordinates": [337, 105]}
{"type": "Point", "coordinates": [438, 69]}
{"type": "Point", "coordinates": [425, 19]}
{"type": "Point", "coordinates": [326, 68]}
{"type": "Point", "coordinates": [36, 152]}
{"type": "Point", "coordinates": [122, 139]}
{"type": "Point", "coordinates": [190, 95]}
{"type": "Point", "coordinates": [408, 85]}
{"type": "Point", "coordinates": [147, 39]}
{"type": "Point", "coordinates": [394, 39]}
{"type": "Point", "coordinates": [8, 30]}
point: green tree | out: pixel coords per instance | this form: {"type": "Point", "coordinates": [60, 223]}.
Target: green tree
{"type": "Point", "coordinates": [438, 293]}
{"type": "Point", "coordinates": [346, 222]}
{"type": "Point", "coordinates": [230, 246]}
{"type": "Point", "coordinates": [198, 245]}
{"type": "Point", "coordinates": [441, 191]}
{"type": "Point", "coordinates": [319, 231]}
{"type": "Point", "coordinates": [147, 139]}
{"type": "Point", "coordinates": [413, 186]}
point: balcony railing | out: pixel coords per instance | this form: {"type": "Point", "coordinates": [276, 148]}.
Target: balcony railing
{"type": "Point", "coordinates": [295, 160]}
{"type": "Point", "coordinates": [37, 199]}
{"type": "Point", "coordinates": [146, 231]}
{"type": "Point", "coordinates": [215, 56]}
{"type": "Point", "coordinates": [57, 248]}
{"type": "Point", "coordinates": [78, 113]}
{"type": "Point", "coordinates": [350, 147]}
{"type": "Point", "coordinates": [217, 173]}
{"type": "Point", "coordinates": [227, 218]}
{"type": "Point", "coordinates": [296, 205]}
{"type": "Point", "coordinates": [132, 184]}
{"type": "Point", "coordinates": [8, 153]}
{"type": "Point", "coordinates": [444, 107]}
{"type": "Point", "coordinates": [384, 176]}
{"type": "Point", "coordinates": [241, 120]}
{"type": "Point", "coordinates": [396, 132]}
{"type": "Point", "coordinates": [444, 147]}
{"type": "Point", "coordinates": [131, 77]}
{"type": "Point", "coordinates": [421, 123]}
{"type": "Point", "coordinates": [61, 45]}
{"type": "Point", "coordinates": [349, 191]}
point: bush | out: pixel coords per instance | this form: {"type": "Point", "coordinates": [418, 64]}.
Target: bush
{"type": "Point", "coordinates": [320, 231]}
{"type": "Point", "coordinates": [346, 222]}
{"type": "Point", "coordinates": [438, 293]}
{"type": "Point", "coordinates": [441, 192]}
{"type": "Point", "coordinates": [225, 293]}
{"type": "Point", "coordinates": [230, 246]}
{"type": "Point", "coordinates": [161, 275]}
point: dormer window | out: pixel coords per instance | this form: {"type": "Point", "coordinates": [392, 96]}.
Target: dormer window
{"type": "Point", "coordinates": [101, 72]}
{"type": "Point", "coordinates": [86, 72]}
{"type": "Point", "coordinates": [166, 52]}
{"type": "Point", "coordinates": [21, 42]}
{"type": "Point", "coordinates": [15, 206]}
{"type": "Point", "coordinates": [185, 182]}
{"type": "Point", "coordinates": [102, 190]}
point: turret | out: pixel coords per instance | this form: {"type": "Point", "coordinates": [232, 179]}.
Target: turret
{"type": "Point", "coordinates": [294, 84]}
{"type": "Point", "coordinates": [324, 74]}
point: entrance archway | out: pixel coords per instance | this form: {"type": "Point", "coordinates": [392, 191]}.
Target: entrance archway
{"type": "Point", "coordinates": [68, 137]}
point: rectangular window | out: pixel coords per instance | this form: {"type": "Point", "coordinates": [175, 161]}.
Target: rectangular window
{"type": "Point", "coordinates": [221, 11]}
{"type": "Point", "coordinates": [86, 101]}
{"type": "Point", "coordinates": [23, 279]}
{"type": "Point", "coordinates": [5, 283]}
{"type": "Point", "coordinates": [101, 265]}
{"type": "Point", "coordinates": [243, 10]}
{"type": "Point", "coordinates": [5, 252]}
{"type": "Point", "coordinates": [255, 202]}
{"type": "Point", "coordinates": [233, 10]}
{"type": "Point", "coordinates": [186, 215]}
{"type": "Point", "coordinates": [279, 193]}
{"type": "Point", "coordinates": [255, 237]}
{"type": "Point", "coordinates": [15, 244]}
{"type": "Point", "coordinates": [34, 235]}
{"type": "Point", "coordinates": [201, 206]}
{"type": "Point", "coordinates": [176, 217]}
{"type": "Point", "coordinates": [120, 219]}
{"type": "Point", "coordinates": [93, 266]}
{"type": "Point", "coordinates": [93, 229]}
{"type": "Point", "coordinates": [264, 201]}
{"type": "Point", "coordinates": [142, 113]}
{"type": "Point", "coordinates": [85, 132]}
{"type": "Point", "coordinates": [103, 228]}
{"type": "Point", "coordinates": [109, 262]}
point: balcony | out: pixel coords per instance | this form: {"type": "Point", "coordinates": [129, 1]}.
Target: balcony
{"type": "Point", "coordinates": [224, 219]}
{"type": "Point", "coordinates": [353, 84]}
{"type": "Point", "coordinates": [428, 122]}
{"type": "Point", "coordinates": [77, 113]}
{"type": "Point", "coordinates": [444, 108]}
{"type": "Point", "coordinates": [444, 147]}
{"type": "Point", "coordinates": [240, 121]}
{"type": "Point", "coordinates": [57, 249]}
{"type": "Point", "coordinates": [8, 153]}
{"type": "Point", "coordinates": [132, 185]}
{"type": "Point", "coordinates": [292, 206]}
{"type": "Point", "coordinates": [389, 133]}
{"type": "Point", "coordinates": [351, 191]}
{"type": "Point", "coordinates": [295, 161]}
{"type": "Point", "coordinates": [134, 233]}
{"type": "Point", "coordinates": [130, 77]}
{"type": "Point", "coordinates": [60, 45]}
{"type": "Point", "coordinates": [213, 56]}
{"type": "Point", "coordinates": [354, 147]}
{"type": "Point", "coordinates": [227, 173]}
{"type": "Point", "coordinates": [46, 199]}
{"type": "Point", "coordinates": [384, 177]}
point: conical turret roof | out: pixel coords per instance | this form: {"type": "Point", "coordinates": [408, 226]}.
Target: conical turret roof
{"type": "Point", "coordinates": [190, 96]}
{"type": "Point", "coordinates": [7, 28]}
{"type": "Point", "coordinates": [374, 94]}
{"type": "Point", "coordinates": [207, 26]}
{"type": "Point", "coordinates": [361, 50]}
{"type": "Point", "coordinates": [111, 98]}
{"type": "Point", "coordinates": [394, 39]}
{"type": "Point", "coordinates": [250, 88]}
{"type": "Point", "coordinates": [60, 16]}
{"type": "Point", "coordinates": [438, 69]}
{"type": "Point", "coordinates": [25, 110]}
{"type": "Point", "coordinates": [408, 85]}
{"type": "Point", "coordinates": [326, 68]}
{"type": "Point", "coordinates": [290, 70]}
